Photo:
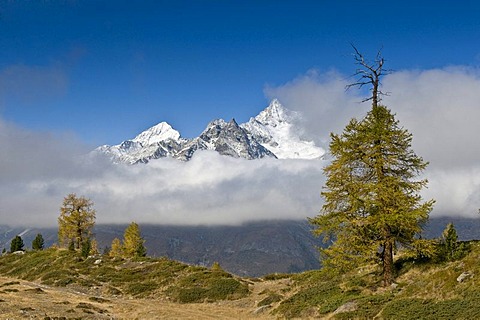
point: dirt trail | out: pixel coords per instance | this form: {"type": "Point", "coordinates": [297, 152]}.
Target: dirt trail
{"type": "Point", "coordinates": [28, 300]}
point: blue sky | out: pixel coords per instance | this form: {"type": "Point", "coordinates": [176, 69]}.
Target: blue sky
{"type": "Point", "coordinates": [106, 70]}
{"type": "Point", "coordinates": [78, 74]}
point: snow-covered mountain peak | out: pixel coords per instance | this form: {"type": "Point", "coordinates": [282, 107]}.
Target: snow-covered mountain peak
{"type": "Point", "coordinates": [160, 132]}
{"type": "Point", "coordinates": [217, 122]}
{"type": "Point", "coordinates": [274, 133]}
{"type": "Point", "coordinates": [275, 128]}
{"type": "Point", "coordinates": [274, 114]}
{"type": "Point", "coordinates": [233, 123]}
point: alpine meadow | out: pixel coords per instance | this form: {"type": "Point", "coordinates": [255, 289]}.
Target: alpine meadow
{"type": "Point", "coordinates": [239, 160]}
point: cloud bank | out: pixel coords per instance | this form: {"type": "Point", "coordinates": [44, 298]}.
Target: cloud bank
{"type": "Point", "coordinates": [440, 107]}
{"type": "Point", "coordinates": [39, 170]}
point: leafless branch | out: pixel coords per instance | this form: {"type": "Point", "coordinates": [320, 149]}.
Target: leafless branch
{"type": "Point", "coordinates": [369, 73]}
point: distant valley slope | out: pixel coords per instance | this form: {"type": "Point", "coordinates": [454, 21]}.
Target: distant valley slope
{"type": "Point", "coordinates": [253, 249]}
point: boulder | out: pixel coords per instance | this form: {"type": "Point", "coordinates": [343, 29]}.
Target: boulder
{"type": "Point", "coordinates": [347, 307]}
{"type": "Point", "coordinates": [464, 276]}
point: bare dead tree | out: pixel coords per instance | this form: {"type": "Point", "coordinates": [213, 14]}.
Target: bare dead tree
{"type": "Point", "coordinates": [369, 73]}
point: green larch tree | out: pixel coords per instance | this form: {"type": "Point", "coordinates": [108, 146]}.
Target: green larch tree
{"type": "Point", "coordinates": [76, 221]}
{"type": "Point", "coordinates": [371, 195]}
{"type": "Point", "coordinates": [38, 243]}
{"type": "Point", "coordinates": [16, 244]}
{"type": "Point", "coordinates": [449, 240]}
{"type": "Point", "coordinates": [449, 248]}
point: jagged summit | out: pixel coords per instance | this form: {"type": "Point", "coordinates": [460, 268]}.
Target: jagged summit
{"type": "Point", "coordinates": [272, 133]}
{"type": "Point", "coordinates": [277, 130]}
{"type": "Point", "coordinates": [274, 114]}
{"type": "Point", "coordinates": [156, 142]}
{"type": "Point", "coordinates": [226, 138]}
{"type": "Point", "coordinates": [160, 132]}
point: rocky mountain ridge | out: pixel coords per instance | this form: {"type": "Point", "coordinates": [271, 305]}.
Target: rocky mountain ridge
{"type": "Point", "coordinates": [273, 133]}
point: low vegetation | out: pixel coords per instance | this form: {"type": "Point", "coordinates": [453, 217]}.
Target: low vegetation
{"type": "Point", "coordinates": [139, 277]}
{"type": "Point", "coordinates": [433, 279]}
{"type": "Point", "coordinates": [431, 288]}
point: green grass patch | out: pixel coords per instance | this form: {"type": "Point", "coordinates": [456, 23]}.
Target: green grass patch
{"type": "Point", "coordinates": [415, 308]}
{"type": "Point", "coordinates": [271, 298]}
{"type": "Point", "coordinates": [141, 289]}
{"type": "Point", "coordinates": [324, 297]}
{"type": "Point", "coordinates": [143, 277]}
{"type": "Point", "coordinates": [207, 285]}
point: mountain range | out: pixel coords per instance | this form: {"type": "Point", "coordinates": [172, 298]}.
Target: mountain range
{"type": "Point", "coordinates": [272, 133]}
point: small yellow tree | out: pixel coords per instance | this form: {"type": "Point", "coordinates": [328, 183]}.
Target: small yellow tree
{"type": "Point", "coordinates": [93, 247]}
{"type": "Point", "coordinates": [76, 221]}
{"type": "Point", "coordinates": [117, 249]}
{"type": "Point", "coordinates": [133, 242]}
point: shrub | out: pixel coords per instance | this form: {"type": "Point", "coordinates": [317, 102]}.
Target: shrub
{"type": "Point", "coordinates": [216, 267]}
{"type": "Point", "coordinates": [142, 289]}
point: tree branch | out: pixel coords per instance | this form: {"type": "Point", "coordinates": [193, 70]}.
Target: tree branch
{"type": "Point", "coordinates": [369, 73]}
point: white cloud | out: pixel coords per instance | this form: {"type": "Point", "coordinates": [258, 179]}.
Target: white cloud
{"type": "Point", "coordinates": [456, 190]}
{"type": "Point", "coordinates": [440, 107]}
{"type": "Point", "coordinates": [209, 189]}
{"type": "Point", "coordinates": [323, 101]}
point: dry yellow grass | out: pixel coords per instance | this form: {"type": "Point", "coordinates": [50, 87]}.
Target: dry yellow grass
{"type": "Point", "coordinates": [29, 300]}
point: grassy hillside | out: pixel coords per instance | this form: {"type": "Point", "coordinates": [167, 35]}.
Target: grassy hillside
{"type": "Point", "coordinates": [423, 289]}
{"type": "Point", "coordinates": [143, 278]}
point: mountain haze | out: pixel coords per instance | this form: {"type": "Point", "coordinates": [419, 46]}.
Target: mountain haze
{"type": "Point", "coordinates": [252, 249]}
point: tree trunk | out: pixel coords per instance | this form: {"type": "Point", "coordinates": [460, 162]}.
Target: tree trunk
{"type": "Point", "coordinates": [375, 91]}
{"type": "Point", "coordinates": [388, 263]}
{"type": "Point", "coordinates": [79, 237]}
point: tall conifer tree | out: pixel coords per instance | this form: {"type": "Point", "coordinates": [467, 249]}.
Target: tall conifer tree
{"type": "Point", "coordinates": [371, 192]}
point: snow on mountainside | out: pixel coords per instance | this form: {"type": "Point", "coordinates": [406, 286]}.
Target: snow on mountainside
{"type": "Point", "coordinates": [161, 132]}
{"type": "Point", "coordinates": [272, 133]}
{"type": "Point", "coordinates": [274, 128]}
{"type": "Point", "coordinates": [159, 141]}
